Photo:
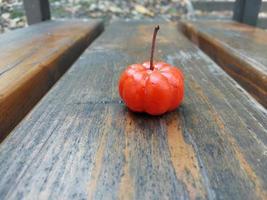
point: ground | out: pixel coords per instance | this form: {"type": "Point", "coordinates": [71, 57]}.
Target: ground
{"type": "Point", "coordinates": [12, 13]}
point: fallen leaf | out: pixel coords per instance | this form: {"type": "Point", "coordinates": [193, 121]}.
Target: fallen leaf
{"type": "Point", "coordinates": [141, 9]}
{"type": "Point", "coordinates": [115, 9]}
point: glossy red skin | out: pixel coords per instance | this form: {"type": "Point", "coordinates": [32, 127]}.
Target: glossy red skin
{"type": "Point", "coordinates": [154, 91]}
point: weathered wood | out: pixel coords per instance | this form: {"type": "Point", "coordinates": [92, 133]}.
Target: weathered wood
{"type": "Point", "coordinates": [238, 11]}
{"type": "Point", "coordinates": [251, 12]}
{"type": "Point", "coordinates": [80, 142]}
{"type": "Point", "coordinates": [33, 59]}
{"type": "Point", "coordinates": [223, 5]}
{"type": "Point", "coordinates": [210, 6]}
{"type": "Point", "coordinates": [262, 21]}
{"type": "Point", "coordinates": [239, 49]}
{"type": "Point", "coordinates": [36, 11]}
{"type": "Point", "coordinates": [246, 11]}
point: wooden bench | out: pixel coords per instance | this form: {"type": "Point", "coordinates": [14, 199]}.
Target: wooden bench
{"type": "Point", "coordinates": [238, 48]}
{"type": "Point", "coordinates": [80, 142]}
{"type": "Point", "coordinates": [33, 59]}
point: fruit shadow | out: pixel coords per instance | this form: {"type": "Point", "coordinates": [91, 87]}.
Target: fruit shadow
{"type": "Point", "coordinates": [148, 125]}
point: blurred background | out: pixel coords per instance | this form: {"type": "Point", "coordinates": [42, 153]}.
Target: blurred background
{"type": "Point", "coordinates": [12, 14]}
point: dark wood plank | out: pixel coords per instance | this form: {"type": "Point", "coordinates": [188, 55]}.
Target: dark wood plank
{"type": "Point", "coordinates": [223, 5]}
{"type": "Point", "coordinates": [238, 10]}
{"type": "Point", "coordinates": [36, 11]}
{"type": "Point", "coordinates": [211, 6]}
{"type": "Point", "coordinates": [251, 12]}
{"type": "Point", "coordinates": [246, 11]}
{"type": "Point", "coordinates": [239, 49]}
{"type": "Point", "coordinates": [80, 142]}
{"type": "Point", "coordinates": [33, 59]}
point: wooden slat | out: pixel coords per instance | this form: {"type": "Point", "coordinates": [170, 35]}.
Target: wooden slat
{"type": "Point", "coordinates": [239, 49]}
{"type": "Point", "coordinates": [246, 11]}
{"type": "Point", "coordinates": [33, 59]}
{"type": "Point", "coordinates": [251, 12]}
{"type": "Point", "coordinates": [210, 6]}
{"type": "Point", "coordinates": [239, 10]}
{"type": "Point", "coordinates": [36, 11]}
{"type": "Point", "coordinates": [221, 5]}
{"type": "Point", "coordinates": [80, 142]}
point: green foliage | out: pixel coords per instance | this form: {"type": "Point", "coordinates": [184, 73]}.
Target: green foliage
{"type": "Point", "coordinates": [16, 14]}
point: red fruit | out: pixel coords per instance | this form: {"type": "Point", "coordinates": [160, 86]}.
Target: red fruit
{"type": "Point", "coordinates": [152, 88]}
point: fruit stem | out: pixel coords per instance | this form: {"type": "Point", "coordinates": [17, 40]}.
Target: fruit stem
{"type": "Point", "coordinates": [153, 47]}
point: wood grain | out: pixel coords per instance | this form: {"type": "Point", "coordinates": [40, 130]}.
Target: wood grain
{"type": "Point", "coordinates": [33, 59]}
{"type": "Point", "coordinates": [81, 142]}
{"type": "Point", "coordinates": [239, 49]}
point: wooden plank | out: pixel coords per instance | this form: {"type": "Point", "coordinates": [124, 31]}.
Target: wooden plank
{"type": "Point", "coordinates": [80, 142]}
{"type": "Point", "coordinates": [246, 11]}
{"type": "Point", "coordinates": [210, 6]}
{"type": "Point", "coordinates": [37, 11]}
{"type": "Point", "coordinates": [251, 12]}
{"type": "Point", "coordinates": [239, 10]}
{"type": "Point", "coordinates": [239, 49]}
{"type": "Point", "coordinates": [222, 5]}
{"type": "Point", "coordinates": [33, 59]}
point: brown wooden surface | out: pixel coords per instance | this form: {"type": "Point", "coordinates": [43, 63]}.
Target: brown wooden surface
{"type": "Point", "coordinates": [80, 142]}
{"type": "Point", "coordinates": [239, 49]}
{"type": "Point", "coordinates": [33, 59]}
